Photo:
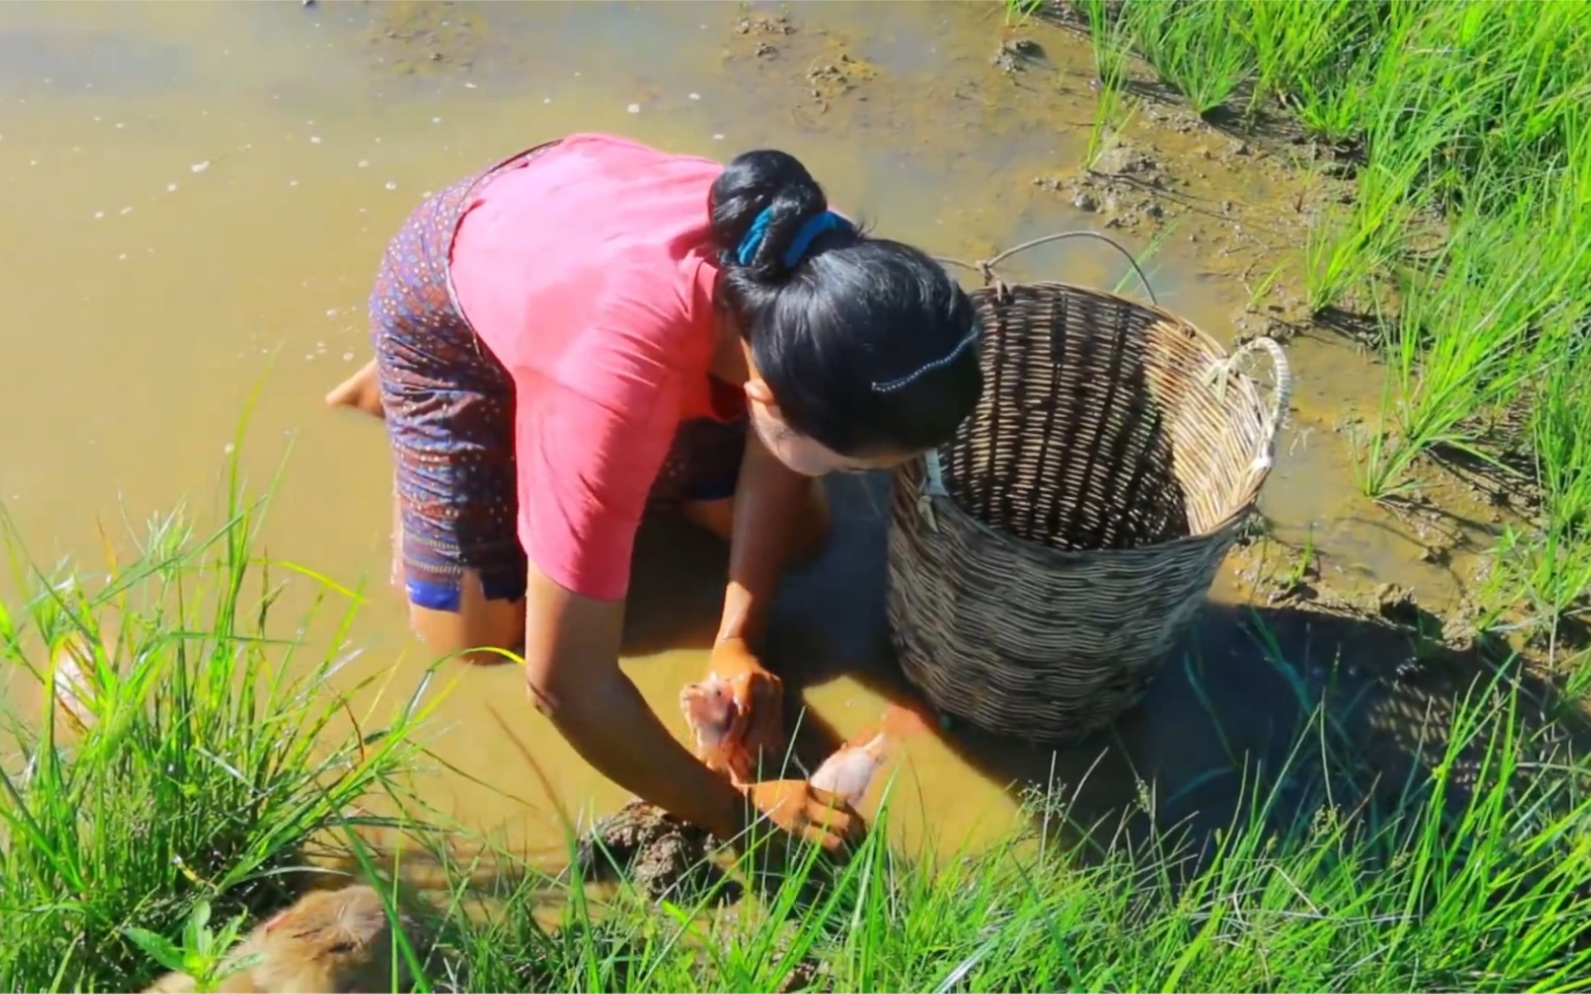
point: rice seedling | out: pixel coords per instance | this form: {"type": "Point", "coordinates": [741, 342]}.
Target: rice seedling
{"type": "Point", "coordinates": [1542, 572]}
{"type": "Point", "coordinates": [1112, 49]}
{"type": "Point", "coordinates": [1019, 11]}
{"type": "Point", "coordinates": [1342, 255]}
{"type": "Point", "coordinates": [1298, 56]}
{"type": "Point", "coordinates": [1193, 45]}
{"type": "Point", "coordinates": [1463, 341]}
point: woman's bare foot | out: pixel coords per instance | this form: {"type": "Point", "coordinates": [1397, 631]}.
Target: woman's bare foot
{"type": "Point", "coordinates": [361, 391]}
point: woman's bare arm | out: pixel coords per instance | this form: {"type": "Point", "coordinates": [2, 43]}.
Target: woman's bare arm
{"type": "Point", "coordinates": [774, 521]}
{"type": "Point", "coordinates": [571, 665]}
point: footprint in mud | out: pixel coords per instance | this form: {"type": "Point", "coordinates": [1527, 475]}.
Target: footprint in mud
{"type": "Point", "coordinates": [662, 855]}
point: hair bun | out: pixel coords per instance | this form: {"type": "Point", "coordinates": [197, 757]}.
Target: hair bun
{"type": "Point", "coordinates": [769, 194]}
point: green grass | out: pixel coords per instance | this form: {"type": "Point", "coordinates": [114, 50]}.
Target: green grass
{"type": "Point", "coordinates": [1473, 874]}
{"type": "Point", "coordinates": [1468, 129]}
{"type": "Point", "coordinates": [219, 752]}
{"type": "Point", "coordinates": [215, 758]}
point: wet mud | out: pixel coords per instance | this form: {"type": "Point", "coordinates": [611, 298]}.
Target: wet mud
{"type": "Point", "coordinates": [663, 856]}
{"type": "Point", "coordinates": [940, 124]}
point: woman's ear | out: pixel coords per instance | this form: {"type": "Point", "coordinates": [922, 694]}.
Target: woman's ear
{"type": "Point", "coordinates": [757, 393]}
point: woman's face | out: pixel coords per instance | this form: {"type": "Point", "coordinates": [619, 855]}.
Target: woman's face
{"type": "Point", "coordinates": [805, 455]}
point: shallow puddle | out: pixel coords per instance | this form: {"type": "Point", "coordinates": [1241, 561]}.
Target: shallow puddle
{"type": "Point", "coordinates": [196, 196]}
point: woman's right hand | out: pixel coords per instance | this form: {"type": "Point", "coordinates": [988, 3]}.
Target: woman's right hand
{"type": "Point", "coordinates": [807, 813]}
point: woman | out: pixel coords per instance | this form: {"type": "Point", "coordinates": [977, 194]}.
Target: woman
{"type": "Point", "coordinates": [591, 327]}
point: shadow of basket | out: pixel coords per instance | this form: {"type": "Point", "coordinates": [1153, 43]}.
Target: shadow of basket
{"type": "Point", "coordinates": [1044, 560]}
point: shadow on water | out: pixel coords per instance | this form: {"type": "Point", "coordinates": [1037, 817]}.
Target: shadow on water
{"type": "Point", "coordinates": [1220, 729]}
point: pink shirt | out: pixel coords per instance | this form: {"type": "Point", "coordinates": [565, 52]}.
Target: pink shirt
{"type": "Point", "coordinates": [589, 273]}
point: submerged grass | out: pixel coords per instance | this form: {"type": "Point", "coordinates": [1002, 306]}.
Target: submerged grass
{"type": "Point", "coordinates": [1465, 123]}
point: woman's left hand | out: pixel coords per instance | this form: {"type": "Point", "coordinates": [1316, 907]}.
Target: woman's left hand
{"type": "Point", "coordinates": [757, 726]}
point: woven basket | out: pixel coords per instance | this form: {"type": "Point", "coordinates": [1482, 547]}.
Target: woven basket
{"type": "Point", "coordinates": [1045, 560]}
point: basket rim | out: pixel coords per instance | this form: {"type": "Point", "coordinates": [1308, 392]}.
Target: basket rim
{"type": "Point", "coordinates": [943, 505]}
{"type": "Point", "coordinates": [994, 291]}
{"type": "Point", "coordinates": [1259, 472]}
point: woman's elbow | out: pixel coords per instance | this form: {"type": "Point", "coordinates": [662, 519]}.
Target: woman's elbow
{"type": "Point", "coordinates": [563, 693]}
{"type": "Point", "coordinates": [546, 690]}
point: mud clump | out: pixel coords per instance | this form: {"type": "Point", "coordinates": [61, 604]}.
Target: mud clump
{"type": "Point", "coordinates": [1125, 160]}
{"type": "Point", "coordinates": [838, 77]}
{"type": "Point", "coordinates": [1124, 184]}
{"type": "Point", "coordinates": [764, 24]}
{"type": "Point", "coordinates": [1395, 603]}
{"type": "Point", "coordinates": [416, 39]}
{"type": "Point", "coordinates": [807, 975]}
{"type": "Point", "coordinates": [659, 853]}
{"type": "Point", "coordinates": [1014, 53]}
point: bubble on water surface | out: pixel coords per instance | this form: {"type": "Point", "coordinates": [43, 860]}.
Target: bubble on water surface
{"type": "Point", "coordinates": [314, 139]}
{"type": "Point", "coordinates": [171, 188]}
{"type": "Point", "coordinates": [364, 163]}
{"type": "Point", "coordinates": [98, 215]}
{"type": "Point", "coordinates": [695, 96]}
{"type": "Point", "coordinates": [634, 108]}
{"type": "Point", "coordinates": [228, 449]}
{"type": "Point", "coordinates": [391, 185]}
{"type": "Point", "coordinates": [126, 210]}
{"type": "Point", "coordinates": [200, 167]}
{"type": "Point", "coordinates": [436, 120]}
{"type": "Point", "coordinates": [718, 138]}
{"type": "Point", "coordinates": [348, 357]}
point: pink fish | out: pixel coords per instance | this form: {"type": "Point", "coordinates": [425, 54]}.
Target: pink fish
{"type": "Point", "coordinates": [73, 684]}
{"type": "Point", "coordinates": [710, 711]}
{"type": "Point", "coordinates": [849, 772]}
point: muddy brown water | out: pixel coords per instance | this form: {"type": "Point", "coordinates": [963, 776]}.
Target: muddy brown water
{"type": "Point", "coordinates": [195, 197]}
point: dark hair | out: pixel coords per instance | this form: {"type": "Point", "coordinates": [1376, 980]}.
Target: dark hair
{"type": "Point", "coordinates": [866, 344]}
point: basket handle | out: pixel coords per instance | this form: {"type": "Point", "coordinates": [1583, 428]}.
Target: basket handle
{"type": "Point", "coordinates": [1281, 390]}
{"type": "Point", "coordinates": [985, 267]}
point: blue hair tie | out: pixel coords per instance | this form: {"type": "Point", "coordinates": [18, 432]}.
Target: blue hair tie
{"type": "Point", "coordinates": [815, 226]}
{"type": "Point", "coordinates": [827, 221]}
{"type": "Point", "coordinates": [754, 235]}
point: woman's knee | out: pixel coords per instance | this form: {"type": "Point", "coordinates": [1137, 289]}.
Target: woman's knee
{"type": "Point", "coordinates": [811, 529]}
{"type": "Point", "coordinates": [479, 632]}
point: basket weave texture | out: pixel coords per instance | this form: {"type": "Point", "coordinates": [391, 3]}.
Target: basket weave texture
{"type": "Point", "coordinates": [1045, 560]}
